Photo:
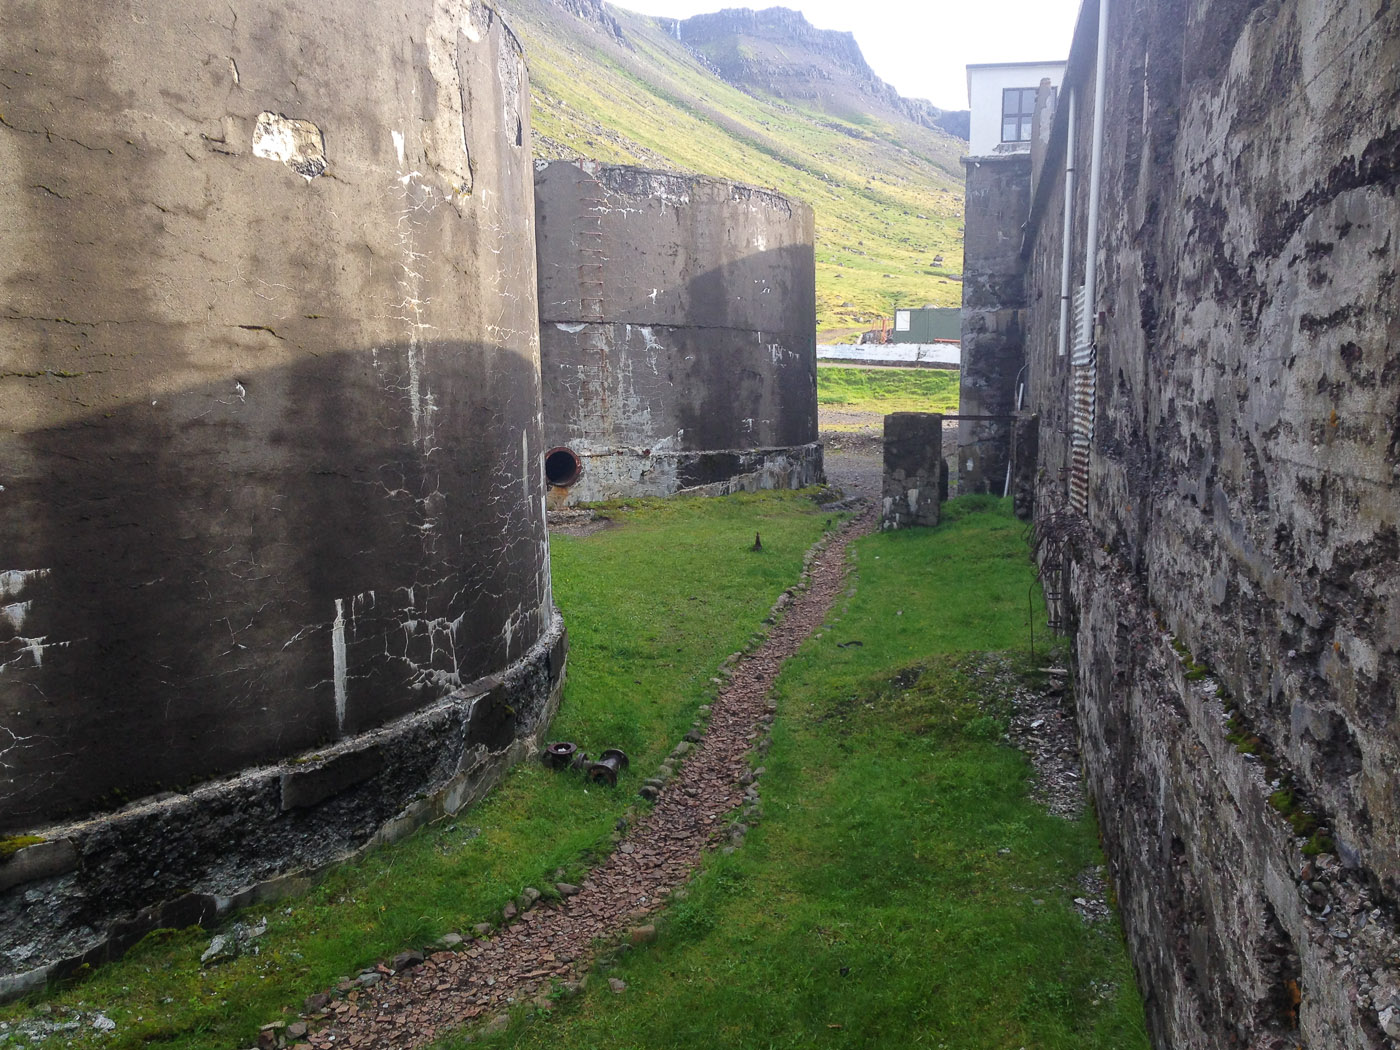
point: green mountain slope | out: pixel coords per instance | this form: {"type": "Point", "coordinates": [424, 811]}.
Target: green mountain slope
{"type": "Point", "coordinates": [887, 192]}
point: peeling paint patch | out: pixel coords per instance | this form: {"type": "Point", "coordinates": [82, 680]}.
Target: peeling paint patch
{"type": "Point", "coordinates": [14, 614]}
{"type": "Point", "coordinates": [36, 647]}
{"type": "Point", "coordinates": [298, 144]}
{"type": "Point", "coordinates": [14, 581]}
{"type": "Point", "coordinates": [338, 663]}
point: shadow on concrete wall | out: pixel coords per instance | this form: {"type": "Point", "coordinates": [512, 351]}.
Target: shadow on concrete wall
{"type": "Point", "coordinates": [242, 570]}
{"type": "Point", "coordinates": [698, 364]}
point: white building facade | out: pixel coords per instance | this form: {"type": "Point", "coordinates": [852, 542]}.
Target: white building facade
{"type": "Point", "coordinates": [1001, 96]}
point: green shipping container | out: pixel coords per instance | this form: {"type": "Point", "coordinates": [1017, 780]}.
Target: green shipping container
{"type": "Point", "coordinates": [927, 325]}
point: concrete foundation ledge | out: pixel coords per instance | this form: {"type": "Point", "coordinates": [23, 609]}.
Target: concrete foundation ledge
{"type": "Point", "coordinates": [612, 473]}
{"type": "Point", "coordinates": [88, 891]}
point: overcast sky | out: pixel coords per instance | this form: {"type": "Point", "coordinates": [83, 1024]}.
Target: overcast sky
{"type": "Point", "coordinates": [922, 46]}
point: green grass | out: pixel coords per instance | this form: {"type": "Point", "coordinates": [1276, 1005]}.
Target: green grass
{"type": "Point", "coordinates": [653, 607]}
{"type": "Point", "coordinates": [888, 390]}
{"type": "Point", "coordinates": [901, 890]}
{"type": "Point", "coordinates": [888, 198]}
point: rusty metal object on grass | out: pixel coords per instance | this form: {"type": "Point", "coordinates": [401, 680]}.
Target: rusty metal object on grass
{"type": "Point", "coordinates": [610, 763]}
{"type": "Point", "coordinates": [558, 754]}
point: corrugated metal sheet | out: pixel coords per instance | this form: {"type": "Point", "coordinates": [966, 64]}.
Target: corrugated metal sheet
{"type": "Point", "coordinates": [1085, 394]}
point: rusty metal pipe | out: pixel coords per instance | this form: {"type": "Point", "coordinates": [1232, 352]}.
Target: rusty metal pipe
{"type": "Point", "coordinates": [610, 763]}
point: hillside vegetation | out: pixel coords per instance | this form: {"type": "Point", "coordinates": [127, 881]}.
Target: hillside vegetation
{"type": "Point", "coordinates": [886, 390]}
{"type": "Point", "coordinates": [887, 192]}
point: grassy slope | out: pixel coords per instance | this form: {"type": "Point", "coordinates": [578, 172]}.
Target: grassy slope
{"type": "Point", "coordinates": [652, 103]}
{"type": "Point", "coordinates": [652, 608]}
{"type": "Point", "coordinates": [902, 889]}
{"type": "Point", "coordinates": [886, 390]}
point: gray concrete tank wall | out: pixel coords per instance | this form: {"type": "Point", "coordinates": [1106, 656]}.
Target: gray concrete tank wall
{"type": "Point", "coordinates": [678, 332]}
{"type": "Point", "coordinates": [271, 449]}
{"type": "Point", "coordinates": [1236, 579]}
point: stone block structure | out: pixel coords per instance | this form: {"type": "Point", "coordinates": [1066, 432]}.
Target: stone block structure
{"type": "Point", "coordinates": [1007, 120]}
{"type": "Point", "coordinates": [993, 350]}
{"type": "Point", "coordinates": [915, 477]}
{"type": "Point", "coordinates": [678, 334]}
{"type": "Point", "coordinates": [1218, 499]}
{"type": "Point", "coordinates": [274, 576]}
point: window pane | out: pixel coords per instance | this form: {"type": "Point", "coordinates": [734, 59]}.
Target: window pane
{"type": "Point", "coordinates": [1009, 132]}
{"type": "Point", "coordinates": [1028, 100]}
{"type": "Point", "coordinates": [1010, 99]}
{"type": "Point", "coordinates": [1026, 128]}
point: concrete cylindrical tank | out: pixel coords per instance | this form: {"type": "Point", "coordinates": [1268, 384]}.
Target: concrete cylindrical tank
{"type": "Point", "coordinates": [270, 459]}
{"type": "Point", "coordinates": [678, 333]}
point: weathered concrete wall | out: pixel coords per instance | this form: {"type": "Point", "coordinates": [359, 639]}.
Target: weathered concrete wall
{"type": "Point", "coordinates": [1243, 508]}
{"type": "Point", "coordinates": [993, 350]}
{"type": "Point", "coordinates": [270, 446]}
{"type": "Point", "coordinates": [914, 481]}
{"type": "Point", "coordinates": [678, 331]}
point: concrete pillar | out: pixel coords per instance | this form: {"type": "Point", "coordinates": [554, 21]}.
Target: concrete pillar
{"type": "Point", "coordinates": [1025, 452]}
{"type": "Point", "coordinates": [994, 298]}
{"type": "Point", "coordinates": [914, 469]}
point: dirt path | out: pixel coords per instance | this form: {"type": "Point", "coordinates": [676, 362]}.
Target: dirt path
{"type": "Point", "coordinates": [554, 941]}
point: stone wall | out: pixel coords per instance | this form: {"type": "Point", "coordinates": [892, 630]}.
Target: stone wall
{"type": "Point", "coordinates": [993, 351]}
{"type": "Point", "coordinates": [678, 330]}
{"type": "Point", "coordinates": [1236, 580]}
{"type": "Point", "coordinates": [271, 447]}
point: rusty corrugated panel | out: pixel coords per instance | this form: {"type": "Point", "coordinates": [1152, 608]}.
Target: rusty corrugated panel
{"type": "Point", "coordinates": [1084, 394]}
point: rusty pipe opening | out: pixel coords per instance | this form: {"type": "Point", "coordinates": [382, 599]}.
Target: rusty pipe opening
{"type": "Point", "coordinates": [558, 754]}
{"type": "Point", "coordinates": [562, 467]}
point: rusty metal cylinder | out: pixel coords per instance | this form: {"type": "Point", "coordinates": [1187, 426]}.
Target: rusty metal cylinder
{"type": "Point", "coordinates": [610, 763]}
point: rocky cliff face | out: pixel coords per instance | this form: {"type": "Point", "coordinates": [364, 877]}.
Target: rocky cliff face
{"type": "Point", "coordinates": [592, 11]}
{"type": "Point", "coordinates": [779, 52]}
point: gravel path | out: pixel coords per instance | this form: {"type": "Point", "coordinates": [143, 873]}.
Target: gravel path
{"type": "Point", "coordinates": [552, 941]}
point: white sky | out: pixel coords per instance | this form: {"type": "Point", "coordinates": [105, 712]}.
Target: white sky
{"type": "Point", "coordinates": [922, 46]}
